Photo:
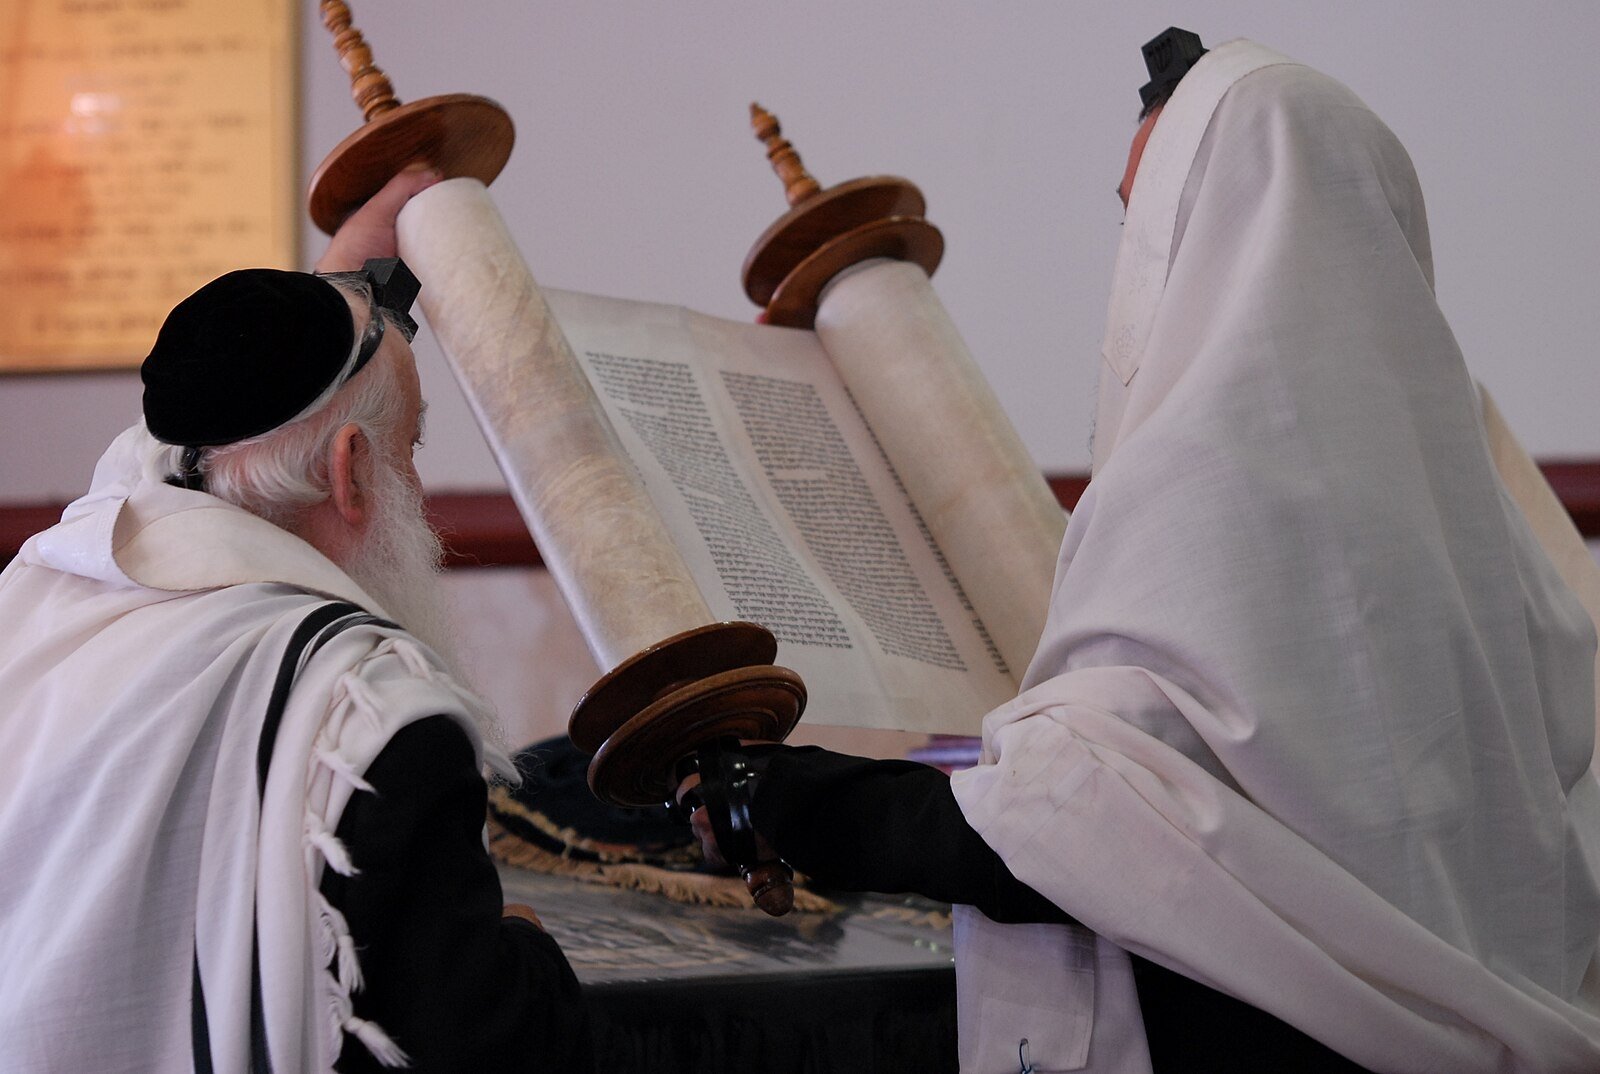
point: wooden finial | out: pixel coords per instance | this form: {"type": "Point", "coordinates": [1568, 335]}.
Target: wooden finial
{"type": "Point", "coordinates": [459, 134]}
{"type": "Point", "coordinates": [369, 86]}
{"type": "Point", "coordinates": [798, 185]}
{"type": "Point", "coordinates": [826, 231]}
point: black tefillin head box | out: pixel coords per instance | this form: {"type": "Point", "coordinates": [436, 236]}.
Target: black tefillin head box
{"type": "Point", "coordinates": [1168, 57]}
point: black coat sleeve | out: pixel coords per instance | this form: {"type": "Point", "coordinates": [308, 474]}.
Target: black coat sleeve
{"type": "Point", "coordinates": [895, 826]}
{"type": "Point", "coordinates": [451, 981]}
{"type": "Point", "coordinates": [887, 826]}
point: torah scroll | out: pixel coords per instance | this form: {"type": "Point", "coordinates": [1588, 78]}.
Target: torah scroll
{"type": "Point", "coordinates": [584, 504]}
{"type": "Point", "coordinates": [964, 466]}
{"type": "Point", "coordinates": [856, 490]}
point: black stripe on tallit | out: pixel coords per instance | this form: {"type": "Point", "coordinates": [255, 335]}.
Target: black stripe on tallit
{"type": "Point", "coordinates": [288, 668]}
{"type": "Point", "coordinates": [301, 648]}
{"type": "Point", "coordinates": [199, 1026]}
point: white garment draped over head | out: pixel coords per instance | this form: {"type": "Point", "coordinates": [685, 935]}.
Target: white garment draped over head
{"type": "Point", "coordinates": [144, 633]}
{"type": "Point", "coordinates": [1313, 715]}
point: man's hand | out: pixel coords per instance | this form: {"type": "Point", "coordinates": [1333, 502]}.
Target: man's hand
{"type": "Point", "coordinates": [700, 825]}
{"type": "Point", "coordinates": [369, 232]}
{"type": "Point", "coordinates": [769, 880]}
{"type": "Point", "coordinates": [522, 910]}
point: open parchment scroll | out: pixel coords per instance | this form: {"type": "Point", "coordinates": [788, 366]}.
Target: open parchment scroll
{"type": "Point", "coordinates": [856, 490]}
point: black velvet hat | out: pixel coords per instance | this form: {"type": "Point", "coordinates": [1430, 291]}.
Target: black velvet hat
{"type": "Point", "coordinates": [243, 355]}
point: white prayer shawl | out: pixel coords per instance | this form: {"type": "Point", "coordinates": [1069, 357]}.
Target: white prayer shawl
{"type": "Point", "coordinates": [1312, 717]}
{"type": "Point", "coordinates": [143, 634]}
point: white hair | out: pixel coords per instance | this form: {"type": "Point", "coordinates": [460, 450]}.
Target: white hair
{"type": "Point", "coordinates": [280, 473]}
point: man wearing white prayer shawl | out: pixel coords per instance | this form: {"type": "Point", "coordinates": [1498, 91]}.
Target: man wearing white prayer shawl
{"type": "Point", "coordinates": [1300, 776]}
{"type": "Point", "coordinates": [241, 806]}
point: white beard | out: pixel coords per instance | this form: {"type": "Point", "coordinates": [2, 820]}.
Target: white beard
{"type": "Point", "coordinates": [399, 564]}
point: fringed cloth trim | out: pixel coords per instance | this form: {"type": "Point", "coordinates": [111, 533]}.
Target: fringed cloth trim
{"type": "Point", "coordinates": [702, 889]}
{"type": "Point", "coordinates": [336, 948]}
{"type": "Point", "coordinates": [569, 843]}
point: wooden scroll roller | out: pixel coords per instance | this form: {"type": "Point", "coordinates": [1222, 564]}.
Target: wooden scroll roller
{"type": "Point", "coordinates": [853, 263]}
{"type": "Point", "coordinates": [458, 133]}
{"type": "Point", "coordinates": [680, 683]}
{"type": "Point", "coordinates": [827, 231]}
{"type": "Point", "coordinates": [667, 711]}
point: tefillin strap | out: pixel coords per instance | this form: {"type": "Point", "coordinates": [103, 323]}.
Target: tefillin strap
{"type": "Point", "coordinates": [188, 475]}
{"type": "Point", "coordinates": [727, 785]}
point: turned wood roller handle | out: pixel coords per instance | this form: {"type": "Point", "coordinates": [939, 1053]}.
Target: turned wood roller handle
{"type": "Point", "coordinates": [726, 789]}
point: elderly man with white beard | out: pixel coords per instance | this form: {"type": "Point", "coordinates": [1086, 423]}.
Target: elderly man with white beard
{"type": "Point", "coordinates": [241, 789]}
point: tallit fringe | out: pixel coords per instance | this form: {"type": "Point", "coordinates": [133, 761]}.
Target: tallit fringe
{"type": "Point", "coordinates": [342, 768]}
{"type": "Point", "coordinates": [416, 660]}
{"type": "Point", "coordinates": [376, 1041]}
{"type": "Point", "coordinates": [340, 964]}
{"type": "Point", "coordinates": [327, 935]}
{"type": "Point", "coordinates": [342, 1019]}
{"type": "Point", "coordinates": [359, 700]}
{"type": "Point", "coordinates": [349, 964]}
{"type": "Point", "coordinates": [337, 942]}
{"type": "Point", "coordinates": [340, 961]}
{"type": "Point", "coordinates": [333, 851]}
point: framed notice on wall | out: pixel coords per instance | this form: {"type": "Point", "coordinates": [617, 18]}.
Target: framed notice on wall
{"type": "Point", "coordinates": [146, 146]}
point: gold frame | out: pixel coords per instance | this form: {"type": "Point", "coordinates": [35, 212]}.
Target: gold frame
{"type": "Point", "coordinates": [143, 151]}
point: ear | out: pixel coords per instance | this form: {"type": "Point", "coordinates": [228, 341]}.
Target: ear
{"type": "Point", "coordinates": [349, 466]}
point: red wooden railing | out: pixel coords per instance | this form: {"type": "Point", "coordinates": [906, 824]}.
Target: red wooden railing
{"type": "Point", "coordinates": [483, 529]}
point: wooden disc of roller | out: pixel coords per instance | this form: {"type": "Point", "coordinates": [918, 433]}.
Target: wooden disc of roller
{"type": "Point", "coordinates": [637, 682]}
{"type": "Point", "coordinates": [461, 134]}
{"type": "Point", "coordinates": [820, 219]}
{"type": "Point", "coordinates": [637, 764]}
{"type": "Point", "coordinates": [903, 238]}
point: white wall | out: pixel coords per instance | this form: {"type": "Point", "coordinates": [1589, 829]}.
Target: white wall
{"type": "Point", "coordinates": [635, 173]}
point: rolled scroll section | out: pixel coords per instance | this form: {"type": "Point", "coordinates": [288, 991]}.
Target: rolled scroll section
{"type": "Point", "coordinates": [980, 493]}
{"type": "Point", "coordinates": [589, 513]}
